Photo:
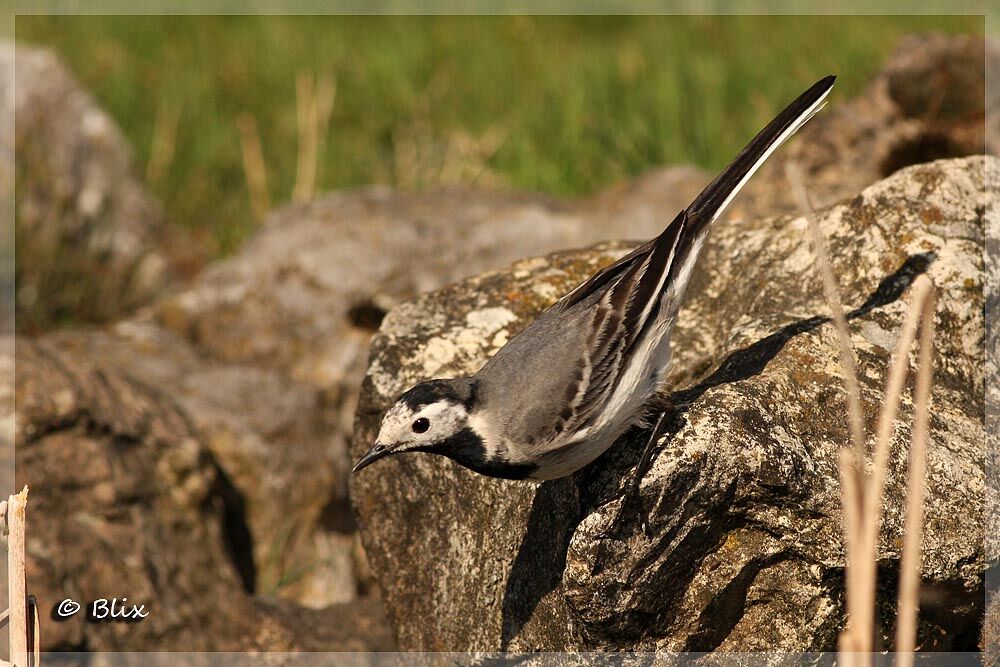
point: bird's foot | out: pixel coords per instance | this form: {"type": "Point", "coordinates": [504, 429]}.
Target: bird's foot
{"type": "Point", "coordinates": [630, 501]}
{"type": "Point", "coordinates": [632, 498]}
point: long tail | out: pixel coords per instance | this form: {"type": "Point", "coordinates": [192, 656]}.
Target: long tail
{"type": "Point", "coordinates": [713, 200]}
{"type": "Point", "coordinates": [665, 263]}
{"type": "Point", "coordinates": [636, 298]}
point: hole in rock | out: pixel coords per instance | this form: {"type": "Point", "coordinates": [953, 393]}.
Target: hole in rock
{"type": "Point", "coordinates": [236, 533]}
{"type": "Point", "coordinates": [925, 147]}
{"type": "Point", "coordinates": [366, 315]}
{"type": "Point", "coordinates": [337, 517]}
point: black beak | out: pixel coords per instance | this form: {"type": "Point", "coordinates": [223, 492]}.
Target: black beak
{"type": "Point", "coordinates": [378, 451]}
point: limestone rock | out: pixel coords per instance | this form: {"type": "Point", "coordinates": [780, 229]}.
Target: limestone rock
{"type": "Point", "coordinates": [304, 296]}
{"type": "Point", "coordinates": [262, 355]}
{"type": "Point", "coordinates": [81, 212]}
{"type": "Point", "coordinates": [743, 495]}
{"type": "Point", "coordinates": [993, 386]}
{"type": "Point", "coordinates": [990, 644]}
{"type": "Point", "coordinates": [124, 501]}
{"type": "Point", "coordinates": [357, 626]}
{"type": "Point", "coordinates": [267, 434]}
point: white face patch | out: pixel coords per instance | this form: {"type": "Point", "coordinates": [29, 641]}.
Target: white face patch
{"type": "Point", "coordinates": [403, 428]}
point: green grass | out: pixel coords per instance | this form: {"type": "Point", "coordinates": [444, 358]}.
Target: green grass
{"type": "Point", "coordinates": [577, 102]}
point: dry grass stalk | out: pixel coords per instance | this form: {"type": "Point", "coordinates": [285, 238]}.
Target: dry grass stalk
{"type": "Point", "coordinates": [424, 156]}
{"type": "Point", "coordinates": [36, 636]}
{"type": "Point", "coordinates": [852, 462]}
{"type": "Point", "coordinates": [253, 165]}
{"type": "Point", "coordinates": [832, 292]}
{"type": "Point", "coordinates": [872, 497]}
{"type": "Point", "coordinates": [161, 150]}
{"type": "Point", "coordinates": [326, 94]}
{"type": "Point", "coordinates": [17, 593]}
{"type": "Point", "coordinates": [467, 157]}
{"type": "Point", "coordinates": [909, 573]}
{"type": "Point", "coordinates": [423, 159]}
{"type": "Point", "coordinates": [308, 124]}
{"type": "Point", "coordinates": [862, 494]}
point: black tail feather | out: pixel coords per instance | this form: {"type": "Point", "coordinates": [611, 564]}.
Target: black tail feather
{"type": "Point", "coordinates": [708, 205]}
{"type": "Point", "coordinates": [693, 222]}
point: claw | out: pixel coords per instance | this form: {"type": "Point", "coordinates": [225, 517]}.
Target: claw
{"type": "Point", "coordinates": [619, 523]}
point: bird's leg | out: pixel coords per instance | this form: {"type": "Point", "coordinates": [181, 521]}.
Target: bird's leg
{"type": "Point", "coordinates": [632, 494]}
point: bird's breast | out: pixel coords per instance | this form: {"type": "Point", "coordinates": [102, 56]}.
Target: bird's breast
{"type": "Point", "coordinates": [566, 458]}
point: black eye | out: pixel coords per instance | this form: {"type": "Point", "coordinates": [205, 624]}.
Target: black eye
{"type": "Point", "coordinates": [421, 425]}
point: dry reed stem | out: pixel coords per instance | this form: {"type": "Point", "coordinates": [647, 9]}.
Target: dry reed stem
{"type": "Point", "coordinates": [16, 583]}
{"type": "Point", "coordinates": [850, 645]}
{"type": "Point", "coordinates": [862, 493]}
{"type": "Point", "coordinates": [161, 150]}
{"type": "Point", "coordinates": [253, 165]}
{"type": "Point", "coordinates": [794, 175]}
{"type": "Point", "coordinates": [36, 638]}
{"type": "Point", "coordinates": [853, 640]}
{"type": "Point", "coordinates": [875, 482]}
{"type": "Point", "coordinates": [326, 94]}
{"type": "Point", "coordinates": [909, 571]}
{"type": "Point", "coordinates": [308, 121]}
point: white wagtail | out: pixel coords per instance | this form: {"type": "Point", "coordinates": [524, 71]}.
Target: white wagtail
{"type": "Point", "coordinates": [561, 392]}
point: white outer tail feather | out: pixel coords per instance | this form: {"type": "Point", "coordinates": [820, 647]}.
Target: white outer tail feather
{"type": "Point", "coordinates": [816, 107]}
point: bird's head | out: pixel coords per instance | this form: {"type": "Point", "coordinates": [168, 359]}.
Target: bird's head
{"type": "Point", "coordinates": [431, 417]}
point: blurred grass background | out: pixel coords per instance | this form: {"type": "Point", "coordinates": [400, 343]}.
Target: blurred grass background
{"type": "Point", "coordinates": [564, 105]}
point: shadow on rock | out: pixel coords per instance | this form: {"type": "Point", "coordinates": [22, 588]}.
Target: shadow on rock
{"type": "Point", "coordinates": [751, 360]}
{"type": "Point", "coordinates": [541, 558]}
